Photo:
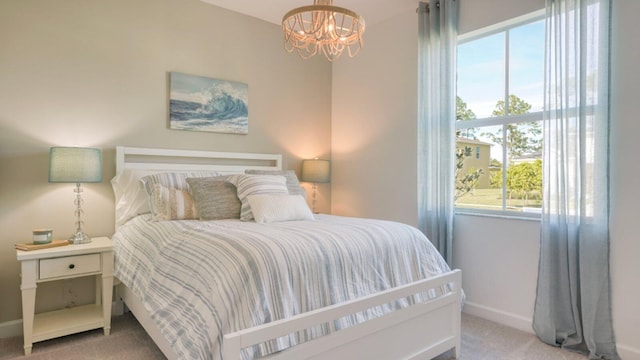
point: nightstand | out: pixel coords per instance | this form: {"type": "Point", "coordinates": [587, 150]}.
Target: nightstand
{"type": "Point", "coordinates": [66, 262]}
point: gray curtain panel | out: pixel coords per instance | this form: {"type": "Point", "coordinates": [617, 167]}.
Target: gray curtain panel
{"type": "Point", "coordinates": [438, 25]}
{"type": "Point", "coordinates": [573, 305]}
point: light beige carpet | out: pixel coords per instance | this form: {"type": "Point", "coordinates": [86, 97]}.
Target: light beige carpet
{"type": "Point", "coordinates": [481, 340]}
{"type": "Point", "coordinates": [128, 340]}
{"type": "Point", "coordinates": [486, 340]}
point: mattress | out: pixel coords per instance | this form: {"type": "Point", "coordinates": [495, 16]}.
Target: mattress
{"type": "Point", "coordinates": [200, 280]}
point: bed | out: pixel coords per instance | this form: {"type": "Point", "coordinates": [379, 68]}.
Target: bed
{"type": "Point", "coordinates": [320, 287]}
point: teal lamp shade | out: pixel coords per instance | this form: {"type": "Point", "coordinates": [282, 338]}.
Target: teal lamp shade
{"type": "Point", "coordinates": [75, 165]}
{"type": "Point", "coordinates": [316, 171]}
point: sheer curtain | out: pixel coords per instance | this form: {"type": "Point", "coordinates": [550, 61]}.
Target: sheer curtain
{"type": "Point", "coordinates": [438, 23]}
{"type": "Point", "coordinates": [573, 307]}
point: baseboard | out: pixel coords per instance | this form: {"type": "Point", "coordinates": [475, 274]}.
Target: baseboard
{"type": "Point", "coordinates": [10, 328]}
{"type": "Point", "coordinates": [501, 317]}
{"type": "Point", "coordinates": [628, 353]}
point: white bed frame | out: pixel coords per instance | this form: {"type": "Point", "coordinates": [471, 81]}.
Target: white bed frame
{"type": "Point", "coordinates": [420, 331]}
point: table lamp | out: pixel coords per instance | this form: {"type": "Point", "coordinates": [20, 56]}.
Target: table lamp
{"type": "Point", "coordinates": [76, 165]}
{"type": "Point", "coordinates": [316, 171]}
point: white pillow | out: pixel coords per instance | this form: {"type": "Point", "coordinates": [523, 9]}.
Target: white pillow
{"type": "Point", "coordinates": [273, 208]}
{"type": "Point", "coordinates": [131, 199]}
{"type": "Point", "coordinates": [256, 185]}
{"type": "Point", "coordinates": [293, 185]}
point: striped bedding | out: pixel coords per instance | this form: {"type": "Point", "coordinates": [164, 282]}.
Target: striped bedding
{"type": "Point", "coordinates": [202, 279]}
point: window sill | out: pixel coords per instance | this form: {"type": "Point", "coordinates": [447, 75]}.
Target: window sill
{"type": "Point", "coordinates": [499, 214]}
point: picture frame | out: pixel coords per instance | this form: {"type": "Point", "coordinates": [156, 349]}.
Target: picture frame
{"type": "Point", "coordinates": [198, 103]}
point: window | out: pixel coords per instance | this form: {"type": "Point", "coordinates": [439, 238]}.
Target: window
{"type": "Point", "coordinates": [499, 114]}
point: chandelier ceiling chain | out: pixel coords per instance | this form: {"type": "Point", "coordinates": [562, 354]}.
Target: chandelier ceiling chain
{"type": "Point", "coordinates": [322, 28]}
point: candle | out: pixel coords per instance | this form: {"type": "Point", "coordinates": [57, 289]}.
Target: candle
{"type": "Point", "coordinates": [42, 236]}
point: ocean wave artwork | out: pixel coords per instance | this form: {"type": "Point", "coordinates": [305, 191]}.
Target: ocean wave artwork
{"type": "Point", "coordinates": [199, 103]}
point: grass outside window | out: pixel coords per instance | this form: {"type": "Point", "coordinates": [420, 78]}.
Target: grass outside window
{"type": "Point", "coordinates": [491, 199]}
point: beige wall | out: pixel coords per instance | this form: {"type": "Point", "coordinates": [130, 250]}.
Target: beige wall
{"type": "Point", "coordinates": [94, 73]}
{"type": "Point", "coordinates": [374, 125]}
{"type": "Point", "coordinates": [374, 147]}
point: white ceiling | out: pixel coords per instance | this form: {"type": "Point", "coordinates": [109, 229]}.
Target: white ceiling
{"type": "Point", "coordinates": [373, 11]}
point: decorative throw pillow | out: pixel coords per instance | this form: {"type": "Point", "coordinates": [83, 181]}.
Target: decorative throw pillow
{"type": "Point", "coordinates": [256, 185]}
{"type": "Point", "coordinates": [215, 198]}
{"type": "Point", "coordinates": [173, 204]}
{"type": "Point", "coordinates": [176, 180]}
{"type": "Point", "coordinates": [274, 208]}
{"type": "Point", "coordinates": [293, 185]}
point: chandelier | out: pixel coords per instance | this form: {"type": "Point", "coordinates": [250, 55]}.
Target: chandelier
{"type": "Point", "coordinates": [322, 28]}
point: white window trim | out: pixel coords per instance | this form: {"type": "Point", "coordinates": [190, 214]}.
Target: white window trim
{"type": "Point", "coordinates": [500, 120]}
{"type": "Point", "coordinates": [503, 214]}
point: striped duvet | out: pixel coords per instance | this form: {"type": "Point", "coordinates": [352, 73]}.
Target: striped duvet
{"type": "Point", "coordinates": [202, 279]}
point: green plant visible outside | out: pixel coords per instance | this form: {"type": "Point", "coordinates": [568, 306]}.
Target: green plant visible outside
{"type": "Point", "coordinates": [523, 181]}
{"type": "Point", "coordinates": [519, 139]}
{"type": "Point", "coordinates": [465, 183]}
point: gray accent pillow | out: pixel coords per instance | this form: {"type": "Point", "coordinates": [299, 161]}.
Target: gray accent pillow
{"type": "Point", "coordinates": [215, 198]}
{"type": "Point", "coordinates": [293, 185]}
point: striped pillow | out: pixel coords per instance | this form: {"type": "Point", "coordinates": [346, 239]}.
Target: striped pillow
{"type": "Point", "coordinates": [256, 185]}
{"type": "Point", "coordinates": [293, 184]}
{"type": "Point", "coordinates": [173, 204]}
{"type": "Point", "coordinates": [175, 180]}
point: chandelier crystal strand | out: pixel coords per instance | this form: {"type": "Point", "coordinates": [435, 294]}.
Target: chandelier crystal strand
{"type": "Point", "coordinates": [323, 28]}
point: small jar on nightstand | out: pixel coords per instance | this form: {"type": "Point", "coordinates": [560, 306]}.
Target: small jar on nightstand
{"type": "Point", "coordinates": [59, 263]}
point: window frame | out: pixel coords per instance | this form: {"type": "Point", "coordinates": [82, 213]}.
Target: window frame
{"type": "Point", "coordinates": [504, 26]}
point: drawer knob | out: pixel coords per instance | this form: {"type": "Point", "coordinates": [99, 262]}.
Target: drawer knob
{"type": "Point", "coordinates": [71, 266]}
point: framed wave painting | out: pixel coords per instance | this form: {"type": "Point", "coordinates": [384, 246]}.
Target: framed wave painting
{"type": "Point", "coordinates": [199, 103]}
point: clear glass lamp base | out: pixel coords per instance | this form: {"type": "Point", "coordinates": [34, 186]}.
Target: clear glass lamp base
{"type": "Point", "coordinates": [79, 238]}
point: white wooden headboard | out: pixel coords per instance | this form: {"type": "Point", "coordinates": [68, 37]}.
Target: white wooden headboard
{"type": "Point", "coordinates": [152, 160]}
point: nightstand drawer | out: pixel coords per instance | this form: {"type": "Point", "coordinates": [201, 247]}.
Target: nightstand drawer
{"type": "Point", "coordinates": [69, 266]}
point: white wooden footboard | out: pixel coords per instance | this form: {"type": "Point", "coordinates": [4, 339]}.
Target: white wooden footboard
{"type": "Point", "coordinates": [420, 331]}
